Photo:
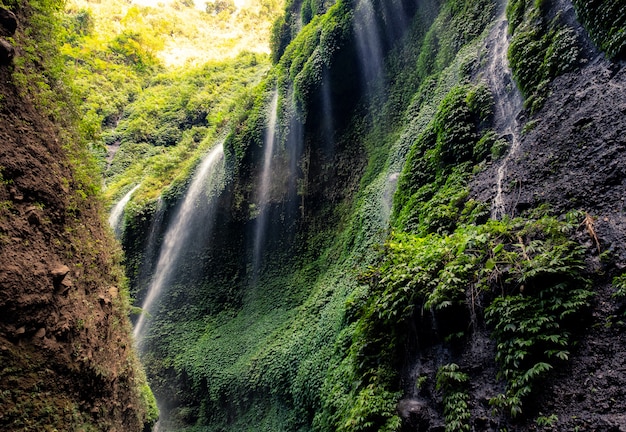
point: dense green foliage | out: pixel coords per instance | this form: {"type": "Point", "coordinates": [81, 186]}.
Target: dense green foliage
{"type": "Point", "coordinates": [106, 77]}
{"type": "Point", "coordinates": [171, 123]}
{"type": "Point", "coordinates": [531, 267]}
{"type": "Point", "coordinates": [361, 387]}
{"type": "Point", "coordinates": [279, 356]}
{"type": "Point", "coordinates": [540, 50]}
{"type": "Point", "coordinates": [451, 382]}
{"type": "Point", "coordinates": [606, 22]}
{"type": "Point", "coordinates": [162, 121]}
{"type": "Point", "coordinates": [317, 341]}
{"type": "Point", "coordinates": [429, 184]}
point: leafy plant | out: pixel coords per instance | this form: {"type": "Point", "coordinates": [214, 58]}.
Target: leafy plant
{"type": "Point", "coordinates": [547, 420]}
{"type": "Point", "coordinates": [619, 283]}
{"type": "Point", "coordinates": [531, 321]}
{"type": "Point", "coordinates": [452, 383]}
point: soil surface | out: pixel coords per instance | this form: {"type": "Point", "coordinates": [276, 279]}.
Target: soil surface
{"type": "Point", "coordinates": [66, 359]}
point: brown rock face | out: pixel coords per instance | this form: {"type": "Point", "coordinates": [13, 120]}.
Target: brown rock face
{"type": "Point", "coordinates": [64, 358]}
{"type": "Point", "coordinates": [7, 52]}
{"type": "Point", "coordinates": [8, 22]}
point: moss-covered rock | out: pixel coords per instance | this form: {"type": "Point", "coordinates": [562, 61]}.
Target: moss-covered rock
{"type": "Point", "coordinates": [606, 22]}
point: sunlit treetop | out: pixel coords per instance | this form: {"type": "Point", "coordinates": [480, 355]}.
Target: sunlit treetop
{"type": "Point", "coordinates": [183, 32]}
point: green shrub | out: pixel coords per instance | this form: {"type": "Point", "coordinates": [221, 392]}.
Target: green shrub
{"type": "Point", "coordinates": [532, 268]}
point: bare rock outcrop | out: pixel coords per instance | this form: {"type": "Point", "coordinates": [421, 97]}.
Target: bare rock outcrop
{"type": "Point", "coordinates": [7, 52]}
{"type": "Point", "coordinates": [8, 22]}
{"type": "Point", "coordinates": [8, 25]}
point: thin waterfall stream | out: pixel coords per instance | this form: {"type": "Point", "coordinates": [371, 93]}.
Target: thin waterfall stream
{"type": "Point", "coordinates": [175, 238]}
{"type": "Point", "coordinates": [115, 217]}
{"type": "Point", "coordinates": [369, 42]}
{"type": "Point", "coordinates": [263, 192]}
{"type": "Point", "coordinates": [508, 104]}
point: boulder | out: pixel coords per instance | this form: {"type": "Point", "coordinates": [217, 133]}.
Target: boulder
{"type": "Point", "coordinates": [415, 414]}
{"type": "Point", "coordinates": [7, 52]}
{"type": "Point", "coordinates": [8, 22]}
{"type": "Point", "coordinates": [59, 272]}
{"type": "Point", "coordinates": [67, 282]}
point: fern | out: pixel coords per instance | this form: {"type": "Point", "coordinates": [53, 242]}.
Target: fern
{"type": "Point", "coordinates": [452, 383]}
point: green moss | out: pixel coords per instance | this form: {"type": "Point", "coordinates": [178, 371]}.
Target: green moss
{"type": "Point", "coordinates": [428, 194]}
{"type": "Point", "coordinates": [152, 411]}
{"type": "Point", "coordinates": [605, 20]}
{"type": "Point", "coordinates": [539, 50]}
{"type": "Point", "coordinates": [286, 27]}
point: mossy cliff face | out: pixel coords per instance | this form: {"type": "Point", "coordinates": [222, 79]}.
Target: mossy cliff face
{"type": "Point", "coordinates": [387, 298]}
{"type": "Point", "coordinates": [605, 21]}
{"type": "Point", "coordinates": [67, 359]}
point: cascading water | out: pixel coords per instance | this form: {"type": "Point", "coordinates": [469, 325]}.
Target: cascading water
{"type": "Point", "coordinates": [508, 104]}
{"type": "Point", "coordinates": [296, 184]}
{"type": "Point", "coordinates": [115, 217]}
{"type": "Point", "coordinates": [395, 17]}
{"type": "Point", "coordinates": [369, 43]}
{"type": "Point", "coordinates": [263, 192]}
{"type": "Point", "coordinates": [150, 251]}
{"type": "Point", "coordinates": [176, 237]}
{"type": "Point", "coordinates": [328, 126]}
{"type": "Point", "coordinates": [377, 25]}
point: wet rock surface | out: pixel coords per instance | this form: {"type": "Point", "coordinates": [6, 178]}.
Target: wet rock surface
{"type": "Point", "coordinates": [572, 155]}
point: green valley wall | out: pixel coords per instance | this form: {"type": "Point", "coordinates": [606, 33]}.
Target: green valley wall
{"type": "Point", "coordinates": [388, 298]}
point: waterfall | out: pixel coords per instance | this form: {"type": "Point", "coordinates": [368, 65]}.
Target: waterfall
{"type": "Point", "coordinates": [328, 126]}
{"type": "Point", "coordinates": [378, 24]}
{"type": "Point", "coordinates": [395, 17]}
{"type": "Point", "coordinates": [115, 217]}
{"type": "Point", "coordinates": [369, 43]}
{"type": "Point", "coordinates": [297, 166]}
{"type": "Point", "coordinates": [508, 104]}
{"type": "Point", "coordinates": [263, 192]}
{"type": "Point", "coordinates": [176, 237]}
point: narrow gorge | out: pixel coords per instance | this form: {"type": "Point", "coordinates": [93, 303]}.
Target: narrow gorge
{"type": "Point", "coordinates": [323, 215]}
